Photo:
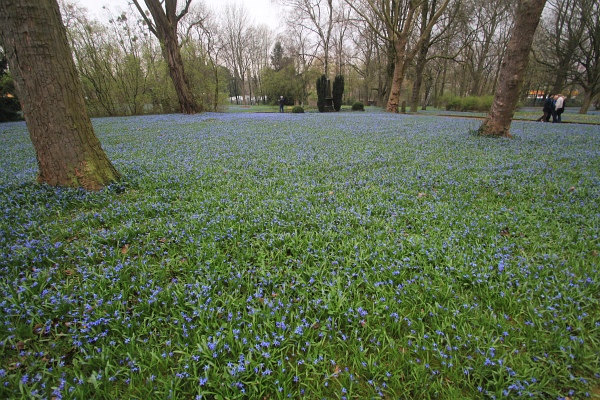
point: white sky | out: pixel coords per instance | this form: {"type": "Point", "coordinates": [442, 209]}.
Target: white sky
{"type": "Point", "coordinates": [262, 11]}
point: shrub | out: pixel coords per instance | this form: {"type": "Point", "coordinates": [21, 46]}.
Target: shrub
{"type": "Point", "coordinates": [338, 92]}
{"type": "Point", "coordinates": [298, 110]}
{"type": "Point", "coordinates": [321, 92]}
{"type": "Point", "coordinates": [358, 106]}
{"type": "Point", "coordinates": [453, 103]}
{"type": "Point", "coordinates": [470, 103]}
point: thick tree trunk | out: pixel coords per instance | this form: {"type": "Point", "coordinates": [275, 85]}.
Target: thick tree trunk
{"type": "Point", "coordinates": [420, 67]}
{"type": "Point", "coordinates": [67, 150]}
{"type": "Point", "coordinates": [587, 102]}
{"type": "Point", "coordinates": [165, 29]}
{"type": "Point", "coordinates": [399, 66]}
{"type": "Point", "coordinates": [560, 79]}
{"type": "Point", "coordinates": [513, 68]}
{"type": "Point", "coordinates": [421, 59]}
{"type": "Point", "coordinates": [171, 53]}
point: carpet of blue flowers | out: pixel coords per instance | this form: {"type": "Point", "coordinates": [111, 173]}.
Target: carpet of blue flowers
{"type": "Point", "coordinates": [337, 256]}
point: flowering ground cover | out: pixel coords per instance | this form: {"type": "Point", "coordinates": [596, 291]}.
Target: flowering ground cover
{"type": "Point", "coordinates": [338, 256]}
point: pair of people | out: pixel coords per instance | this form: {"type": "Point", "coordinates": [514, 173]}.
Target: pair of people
{"type": "Point", "coordinates": [554, 106]}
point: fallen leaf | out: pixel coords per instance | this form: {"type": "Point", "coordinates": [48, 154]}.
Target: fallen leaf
{"type": "Point", "coordinates": [125, 249]}
{"type": "Point", "coordinates": [337, 370]}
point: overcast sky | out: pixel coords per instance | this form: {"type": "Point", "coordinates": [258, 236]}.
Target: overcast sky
{"type": "Point", "coordinates": [263, 11]}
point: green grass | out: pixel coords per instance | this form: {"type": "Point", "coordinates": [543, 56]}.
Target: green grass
{"type": "Point", "coordinates": [525, 114]}
{"type": "Point", "coordinates": [343, 255]}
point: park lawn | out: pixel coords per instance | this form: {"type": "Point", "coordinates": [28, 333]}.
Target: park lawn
{"type": "Point", "coordinates": [571, 116]}
{"type": "Point", "coordinates": [339, 256]}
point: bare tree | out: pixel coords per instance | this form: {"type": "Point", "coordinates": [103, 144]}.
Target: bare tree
{"type": "Point", "coordinates": [490, 23]}
{"type": "Point", "coordinates": [587, 73]}
{"type": "Point", "coordinates": [340, 34]}
{"type": "Point", "coordinates": [92, 52]}
{"type": "Point", "coordinates": [261, 40]}
{"type": "Point", "coordinates": [560, 33]}
{"type": "Point", "coordinates": [400, 18]}
{"type": "Point", "coordinates": [67, 150]}
{"type": "Point", "coordinates": [304, 52]}
{"type": "Point", "coordinates": [317, 17]}
{"type": "Point", "coordinates": [204, 31]}
{"type": "Point", "coordinates": [513, 69]}
{"type": "Point", "coordinates": [162, 21]}
{"type": "Point", "coordinates": [430, 39]}
{"type": "Point", "coordinates": [236, 38]}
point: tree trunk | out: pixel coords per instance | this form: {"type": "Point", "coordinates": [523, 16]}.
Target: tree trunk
{"type": "Point", "coordinates": [67, 150]}
{"type": "Point", "coordinates": [587, 102]}
{"type": "Point", "coordinates": [164, 26]}
{"type": "Point", "coordinates": [513, 68]}
{"type": "Point", "coordinates": [421, 58]}
{"type": "Point", "coordinates": [171, 53]}
{"type": "Point", "coordinates": [216, 99]}
{"type": "Point", "coordinates": [399, 66]}
{"type": "Point", "coordinates": [560, 78]}
{"type": "Point", "coordinates": [420, 67]}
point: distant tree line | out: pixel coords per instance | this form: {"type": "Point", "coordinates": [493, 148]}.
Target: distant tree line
{"type": "Point", "coordinates": [426, 53]}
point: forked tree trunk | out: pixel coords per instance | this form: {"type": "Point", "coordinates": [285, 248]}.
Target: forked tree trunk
{"type": "Point", "coordinates": [404, 55]}
{"type": "Point", "coordinates": [512, 72]}
{"type": "Point", "coordinates": [164, 26]}
{"type": "Point", "coordinates": [67, 150]}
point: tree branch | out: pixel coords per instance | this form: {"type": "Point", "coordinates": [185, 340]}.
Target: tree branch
{"type": "Point", "coordinates": [145, 17]}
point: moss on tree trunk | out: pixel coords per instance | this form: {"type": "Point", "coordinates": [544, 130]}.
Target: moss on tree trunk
{"type": "Point", "coordinates": [67, 150]}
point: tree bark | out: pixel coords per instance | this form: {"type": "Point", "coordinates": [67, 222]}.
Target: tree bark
{"type": "Point", "coordinates": [399, 72]}
{"type": "Point", "coordinates": [404, 55]}
{"type": "Point", "coordinates": [67, 150]}
{"type": "Point", "coordinates": [587, 102]}
{"type": "Point", "coordinates": [512, 72]}
{"type": "Point", "coordinates": [164, 27]}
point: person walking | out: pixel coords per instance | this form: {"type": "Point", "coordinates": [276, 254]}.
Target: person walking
{"type": "Point", "coordinates": [548, 109]}
{"type": "Point", "coordinates": [554, 116]}
{"type": "Point", "coordinates": [559, 107]}
{"type": "Point", "coordinates": [281, 102]}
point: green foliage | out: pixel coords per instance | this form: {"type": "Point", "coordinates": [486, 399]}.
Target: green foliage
{"type": "Point", "coordinates": [298, 110]}
{"type": "Point", "coordinates": [278, 58]}
{"type": "Point", "coordinates": [284, 83]}
{"type": "Point", "coordinates": [358, 106]}
{"type": "Point", "coordinates": [338, 92]}
{"type": "Point", "coordinates": [469, 103]}
{"type": "Point", "coordinates": [9, 104]}
{"type": "Point", "coordinates": [321, 92]}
